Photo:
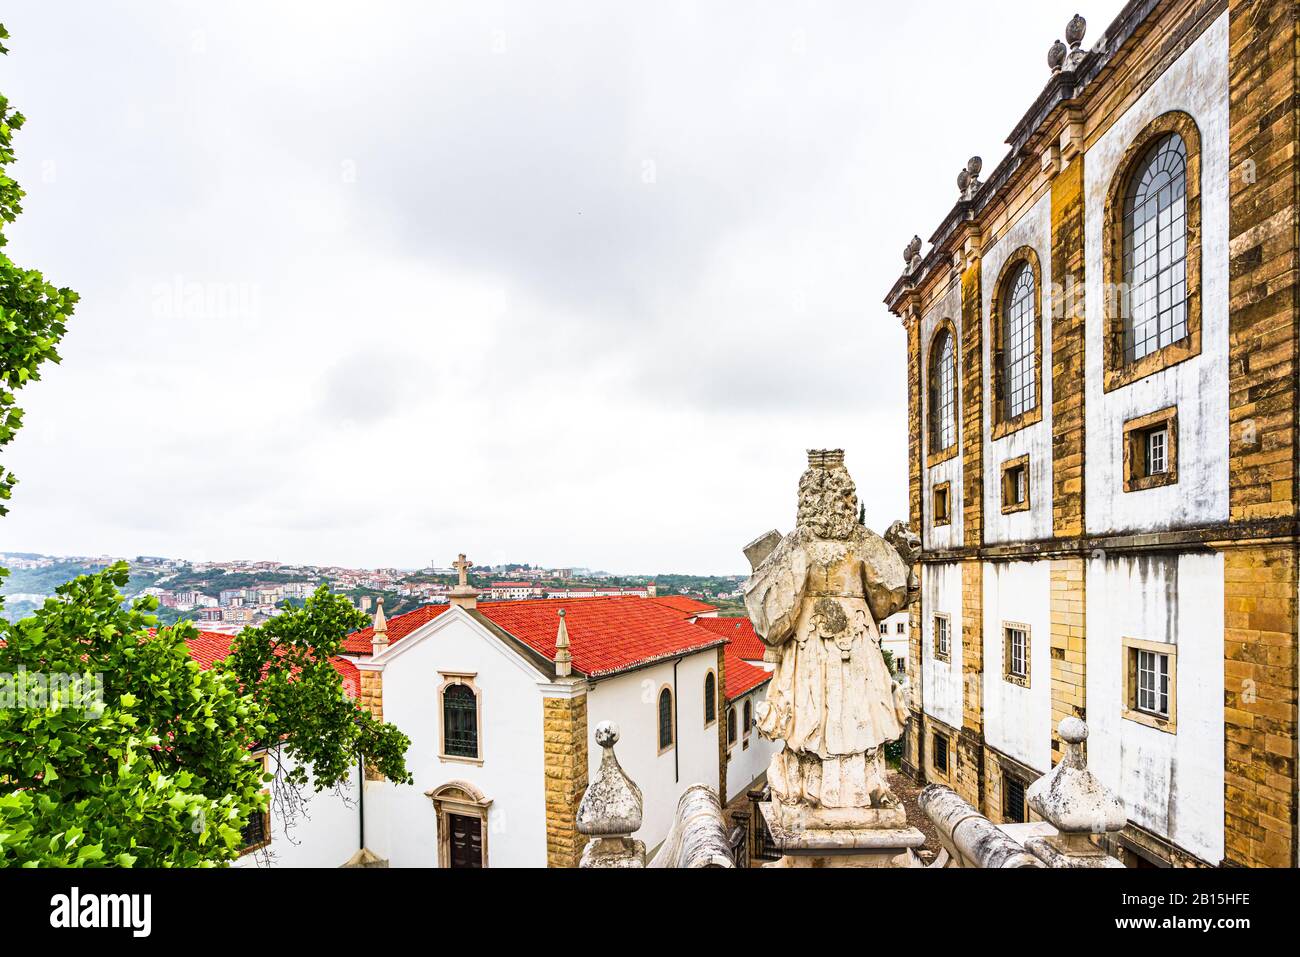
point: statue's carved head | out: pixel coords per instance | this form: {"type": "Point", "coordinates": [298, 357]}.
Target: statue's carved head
{"type": "Point", "coordinates": [828, 499]}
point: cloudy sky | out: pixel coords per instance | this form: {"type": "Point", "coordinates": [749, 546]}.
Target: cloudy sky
{"type": "Point", "coordinates": [573, 283]}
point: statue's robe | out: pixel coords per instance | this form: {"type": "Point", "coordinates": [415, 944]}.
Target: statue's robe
{"type": "Point", "coordinates": [832, 698]}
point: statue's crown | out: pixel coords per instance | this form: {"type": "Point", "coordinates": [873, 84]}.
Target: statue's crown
{"type": "Point", "coordinates": [825, 458]}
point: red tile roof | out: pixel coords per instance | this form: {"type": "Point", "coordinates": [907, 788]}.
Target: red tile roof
{"type": "Point", "coordinates": [688, 606]}
{"type": "Point", "coordinates": [209, 647]}
{"type": "Point", "coordinates": [740, 632]}
{"type": "Point", "coordinates": [741, 676]}
{"type": "Point", "coordinates": [606, 635]}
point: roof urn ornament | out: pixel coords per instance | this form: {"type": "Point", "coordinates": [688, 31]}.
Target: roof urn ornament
{"type": "Point", "coordinates": [1074, 33]}
{"type": "Point", "coordinates": [912, 255]}
{"type": "Point", "coordinates": [1056, 56]}
{"type": "Point", "coordinates": [968, 180]}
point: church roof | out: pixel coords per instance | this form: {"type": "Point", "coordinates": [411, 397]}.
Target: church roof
{"type": "Point", "coordinates": [606, 635]}
{"type": "Point", "coordinates": [742, 677]}
{"type": "Point", "coordinates": [740, 632]}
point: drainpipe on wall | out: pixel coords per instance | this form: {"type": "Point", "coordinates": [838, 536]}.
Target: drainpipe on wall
{"type": "Point", "coordinates": [677, 741]}
{"type": "Point", "coordinates": [361, 801]}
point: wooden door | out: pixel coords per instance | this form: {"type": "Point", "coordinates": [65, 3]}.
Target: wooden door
{"type": "Point", "coordinates": [466, 840]}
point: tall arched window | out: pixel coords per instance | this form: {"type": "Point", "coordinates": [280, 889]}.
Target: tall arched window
{"type": "Point", "coordinates": [745, 726]}
{"type": "Point", "coordinates": [710, 699]}
{"type": "Point", "coordinates": [665, 719]}
{"type": "Point", "coordinates": [459, 721]}
{"type": "Point", "coordinates": [731, 726]}
{"type": "Point", "coordinates": [1018, 345]}
{"type": "Point", "coordinates": [943, 400]}
{"type": "Point", "coordinates": [1155, 249]}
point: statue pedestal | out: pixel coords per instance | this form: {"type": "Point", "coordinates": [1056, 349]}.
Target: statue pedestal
{"type": "Point", "coordinates": [888, 843]}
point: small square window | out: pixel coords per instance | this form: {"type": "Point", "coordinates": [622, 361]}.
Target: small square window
{"type": "Point", "coordinates": [939, 753]}
{"type": "Point", "coordinates": [1015, 485]}
{"type": "Point", "coordinates": [942, 638]}
{"type": "Point", "coordinates": [1015, 653]}
{"type": "Point", "coordinates": [1151, 451]}
{"type": "Point", "coordinates": [1151, 683]}
{"type": "Point", "coordinates": [942, 510]}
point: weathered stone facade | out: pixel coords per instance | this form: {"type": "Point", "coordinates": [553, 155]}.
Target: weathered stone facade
{"type": "Point", "coordinates": [1217, 536]}
{"type": "Point", "coordinates": [564, 727]}
{"type": "Point", "coordinates": [371, 697]}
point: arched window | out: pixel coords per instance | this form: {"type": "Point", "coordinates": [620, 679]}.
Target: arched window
{"type": "Point", "coordinates": [1018, 353]}
{"type": "Point", "coordinates": [1155, 249]}
{"type": "Point", "coordinates": [665, 719]}
{"type": "Point", "coordinates": [943, 401]}
{"type": "Point", "coordinates": [748, 718]}
{"type": "Point", "coordinates": [1151, 263]}
{"type": "Point", "coordinates": [459, 721]}
{"type": "Point", "coordinates": [710, 699]}
{"type": "Point", "coordinates": [731, 726]}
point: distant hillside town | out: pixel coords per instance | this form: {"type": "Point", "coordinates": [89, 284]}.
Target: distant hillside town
{"type": "Point", "coordinates": [230, 595]}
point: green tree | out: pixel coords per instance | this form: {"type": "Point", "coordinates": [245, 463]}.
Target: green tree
{"type": "Point", "coordinates": [145, 761]}
{"type": "Point", "coordinates": [155, 768]}
{"type": "Point", "coordinates": [33, 313]}
{"type": "Point", "coordinates": [286, 667]}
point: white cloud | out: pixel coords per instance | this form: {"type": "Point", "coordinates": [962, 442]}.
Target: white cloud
{"type": "Point", "coordinates": [574, 283]}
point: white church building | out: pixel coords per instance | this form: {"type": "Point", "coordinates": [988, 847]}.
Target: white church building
{"type": "Point", "coordinates": [499, 700]}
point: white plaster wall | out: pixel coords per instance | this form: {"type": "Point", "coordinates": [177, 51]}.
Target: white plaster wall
{"type": "Point", "coordinates": [1018, 721]}
{"type": "Point", "coordinates": [631, 701]}
{"type": "Point", "coordinates": [1197, 83]}
{"type": "Point", "coordinates": [1171, 784]}
{"type": "Point", "coordinates": [948, 536]}
{"type": "Point", "coordinates": [324, 833]}
{"type": "Point", "coordinates": [942, 681]}
{"type": "Point", "coordinates": [1033, 229]}
{"type": "Point", "coordinates": [746, 764]}
{"type": "Point", "coordinates": [400, 820]}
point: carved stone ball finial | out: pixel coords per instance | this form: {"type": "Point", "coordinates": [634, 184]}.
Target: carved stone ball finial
{"type": "Point", "coordinates": [1075, 30]}
{"type": "Point", "coordinates": [607, 734]}
{"type": "Point", "coordinates": [963, 180]}
{"type": "Point", "coordinates": [974, 166]}
{"type": "Point", "coordinates": [1056, 56]}
{"type": "Point", "coordinates": [1070, 797]}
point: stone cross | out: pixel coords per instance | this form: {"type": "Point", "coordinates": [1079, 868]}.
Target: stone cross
{"type": "Point", "coordinates": [462, 566]}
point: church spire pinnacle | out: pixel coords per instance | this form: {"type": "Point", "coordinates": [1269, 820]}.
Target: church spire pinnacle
{"type": "Point", "coordinates": [380, 640]}
{"type": "Point", "coordinates": [563, 660]}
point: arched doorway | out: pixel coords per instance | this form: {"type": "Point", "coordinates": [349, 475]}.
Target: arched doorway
{"type": "Point", "coordinates": [462, 824]}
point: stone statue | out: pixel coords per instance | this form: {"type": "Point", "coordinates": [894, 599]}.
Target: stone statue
{"type": "Point", "coordinates": [817, 598]}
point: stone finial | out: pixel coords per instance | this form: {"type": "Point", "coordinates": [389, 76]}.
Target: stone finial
{"type": "Point", "coordinates": [1073, 799]}
{"type": "Point", "coordinates": [563, 660]}
{"type": "Point", "coordinates": [912, 255]}
{"type": "Point", "coordinates": [380, 640]}
{"type": "Point", "coordinates": [1074, 32]}
{"type": "Point", "coordinates": [1056, 56]}
{"type": "Point", "coordinates": [464, 594]}
{"type": "Point", "coordinates": [610, 810]}
{"type": "Point", "coordinates": [968, 180]}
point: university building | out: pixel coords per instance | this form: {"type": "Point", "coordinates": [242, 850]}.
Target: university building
{"type": "Point", "coordinates": [1102, 360]}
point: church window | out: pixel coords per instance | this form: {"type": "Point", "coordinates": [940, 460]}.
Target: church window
{"type": "Point", "coordinates": [731, 725]}
{"type": "Point", "coordinates": [461, 720]}
{"type": "Point", "coordinates": [710, 699]}
{"type": "Point", "coordinates": [1018, 347]}
{"type": "Point", "coordinates": [665, 719]}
